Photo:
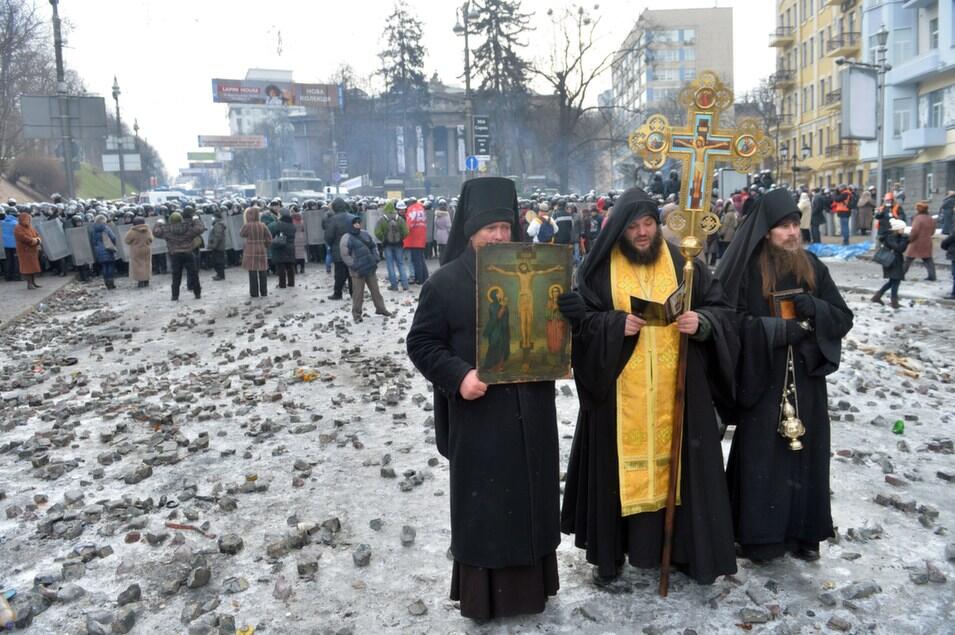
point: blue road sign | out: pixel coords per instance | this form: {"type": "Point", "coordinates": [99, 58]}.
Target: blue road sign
{"type": "Point", "coordinates": [471, 163]}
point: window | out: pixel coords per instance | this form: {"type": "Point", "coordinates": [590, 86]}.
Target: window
{"type": "Point", "coordinates": [688, 36]}
{"type": "Point", "coordinates": [811, 44]}
{"type": "Point", "coordinates": [812, 98]}
{"type": "Point", "coordinates": [933, 34]}
{"type": "Point", "coordinates": [822, 47]}
{"type": "Point", "coordinates": [688, 73]}
{"type": "Point", "coordinates": [936, 109]}
{"type": "Point", "coordinates": [689, 54]}
{"type": "Point", "coordinates": [901, 115]}
{"type": "Point", "coordinates": [929, 182]}
{"type": "Point", "coordinates": [809, 145]}
{"type": "Point", "coordinates": [903, 45]}
{"type": "Point", "coordinates": [804, 12]}
{"type": "Point", "coordinates": [821, 149]}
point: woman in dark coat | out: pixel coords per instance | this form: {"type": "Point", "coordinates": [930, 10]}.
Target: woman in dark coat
{"type": "Point", "coordinates": [896, 240]}
{"type": "Point", "coordinates": [28, 249]}
{"type": "Point", "coordinates": [104, 250]}
{"type": "Point", "coordinates": [255, 253]}
{"type": "Point", "coordinates": [283, 249]}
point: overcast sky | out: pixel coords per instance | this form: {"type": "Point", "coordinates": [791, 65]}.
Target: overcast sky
{"type": "Point", "coordinates": [165, 52]}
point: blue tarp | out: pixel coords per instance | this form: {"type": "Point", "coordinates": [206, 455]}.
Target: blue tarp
{"type": "Point", "coordinates": [842, 252]}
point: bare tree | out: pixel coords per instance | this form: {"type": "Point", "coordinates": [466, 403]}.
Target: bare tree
{"type": "Point", "coordinates": [569, 70]}
{"type": "Point", "coordinates": [24, 60]}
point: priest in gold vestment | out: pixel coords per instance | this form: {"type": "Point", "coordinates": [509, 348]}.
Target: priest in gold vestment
{"type": "Point", "coordinates": [626, 374]}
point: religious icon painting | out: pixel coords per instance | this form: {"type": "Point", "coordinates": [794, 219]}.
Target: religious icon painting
{"type": "Point", "coordinates": [521, 334]}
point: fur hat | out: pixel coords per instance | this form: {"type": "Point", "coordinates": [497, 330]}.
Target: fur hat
{"type": "Point", "coordinates": [897, 224]}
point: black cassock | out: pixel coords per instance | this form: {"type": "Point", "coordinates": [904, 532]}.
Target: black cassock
{"type": "Point", "coordinates": [703, 533]}
{"type": "Point", "coordinates": [503, 456]}
{"type": "Point", "coordinates": [780, 497]}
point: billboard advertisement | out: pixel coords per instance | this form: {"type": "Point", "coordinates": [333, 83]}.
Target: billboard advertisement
{"type": "Point", "coordinates": [252, 92]}
{"type": "Point", "coordinates": [859, 98]}
{"type": "Point", "coordinates": [316, 95]}
{"type": "Point", "coordinates": [234, 142]}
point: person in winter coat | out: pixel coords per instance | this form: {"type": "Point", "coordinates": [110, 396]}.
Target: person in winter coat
{"type": "Point", "coordinates": [255, 254]}
{"type": "Point", "coordinates": [338, 226]}
{"type": "Point", "coordinates": [216, 245]}
{"type": "Point", "coordinates": [891, 208]}
{"type": "Point", "coordinates": [391, 232]}
{"type": "Point", "coordinates": [139, 243]}
{"type": "Point", "coordinates": [819, 206]}
{"type": "Point", "coordinates": [920, 240]}
{"type": "Point", "coordinates": [867, 203]}
{"type": "Point", "coordinates": [947, 214]}
{"type": "Point", "coordinates": [805, 220]}
{"type": "Point", "coordinates": [840, 207]}
{"type": "Point", "coordinates": [283, 249]}
{"type": "Point", "coordinates": [542, 229]}
{"type": "Point", "coordinates": [672, 186]}
{"type": "Point", "coordinates": [103, 241]}
{"type": "Point", "coordinates": [10, 245]}
{"type": "Point", "coordinates": [949, 246]}
{"type": "Point", "coordinates": [417, 221]}
{"type": "Point", "coordinates": [28, 249]}
{"type": "Point", "coordinates": [180, 236]}
{"type": "Point", "coordinates": [360, 254]}
{"type": "Point", "coordinates": [729, 221]}
{"type": "Point", "coordinates": [657, 187]}
{"type": "Point", "coordinates": [442, 228]}
{"type": "Point", "coordinates": [896, 240]}
{"type": "Point", "coordinates": [300, 247]}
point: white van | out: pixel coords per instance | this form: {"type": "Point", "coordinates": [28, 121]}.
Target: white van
{"type": "Point", "coordinates": [158, 197]}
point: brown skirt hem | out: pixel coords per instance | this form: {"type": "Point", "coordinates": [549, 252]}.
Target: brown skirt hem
{"type": "Point", "coordinates": [491, 593]}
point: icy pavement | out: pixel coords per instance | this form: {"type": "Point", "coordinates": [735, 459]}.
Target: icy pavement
{"type": "Point", "coordinates": [162, 469]}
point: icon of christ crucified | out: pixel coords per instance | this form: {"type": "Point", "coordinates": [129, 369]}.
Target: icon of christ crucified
{"type": "Point", "coordinates": [525, 298]}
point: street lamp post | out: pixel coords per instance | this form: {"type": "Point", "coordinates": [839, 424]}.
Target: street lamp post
{"type": "Point", "coordinates": [805, 151]}
{"type": "Point", "coordinates": [119, 140]}
{"type": "Point", "coordinates": [883, 68]}
{"type": "Point", "coordinates": [136, 147]}
{"type": "Point", "coordinates": [461, 27]}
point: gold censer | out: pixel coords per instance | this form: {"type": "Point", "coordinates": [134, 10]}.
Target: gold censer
{"type": "Point", "coordinates": [790, 426]}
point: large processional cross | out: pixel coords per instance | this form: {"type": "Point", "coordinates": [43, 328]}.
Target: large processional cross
{"type": "Point", "coordinates": [698, 146]}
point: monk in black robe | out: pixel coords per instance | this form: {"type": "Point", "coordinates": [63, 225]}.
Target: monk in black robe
{"type": "Point", "coordinates": [500, 440]}
{"type": "Point", "coordinates": [625, 373]}
{"type": "Point", "coordinates": [780, 497]}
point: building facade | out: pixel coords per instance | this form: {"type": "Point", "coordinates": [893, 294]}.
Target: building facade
{"type": "Point", "coordinates": [809, 36]}
{"type": "Point", "coordinates": [919, 122]}
{"type": "Point", "coordinates": [665, 49]}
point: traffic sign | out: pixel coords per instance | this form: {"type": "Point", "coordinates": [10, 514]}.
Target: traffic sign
{"type": "Point", "coordinates": [471, 163]}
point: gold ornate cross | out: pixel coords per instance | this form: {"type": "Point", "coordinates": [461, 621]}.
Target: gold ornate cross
{"type": "Point", "coordinates": [699, 146]}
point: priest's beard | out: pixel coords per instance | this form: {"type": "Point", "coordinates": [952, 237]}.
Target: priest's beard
{"type": "Point", "coordinates": [776, 263]}
{"type": "Point", "coordinates": [646, 257]}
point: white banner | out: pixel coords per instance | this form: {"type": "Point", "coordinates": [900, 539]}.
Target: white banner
{"type": "Point", "coordinates": [462, 150]}
{"type": "Point", "coordinates": [400, 148]}
{"type": "Point", "coordinates": [419, 154]}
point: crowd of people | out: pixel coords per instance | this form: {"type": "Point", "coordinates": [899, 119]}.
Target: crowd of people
{"type": "Point", "coordinates": [409, 232]}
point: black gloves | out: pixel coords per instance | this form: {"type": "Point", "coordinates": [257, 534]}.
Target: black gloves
{"type": "Point", "coordinates": [805, 307]}
{"type": "Point", "coordinates": [795, 333]}
{"type": "Point", "coordinates": [573, 307]}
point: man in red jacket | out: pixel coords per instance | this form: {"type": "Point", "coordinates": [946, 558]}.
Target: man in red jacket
{"type": "Point", "coordinates": [417, 236]}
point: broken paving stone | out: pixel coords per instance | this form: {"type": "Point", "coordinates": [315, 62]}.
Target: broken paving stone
{"type": "Point", "coordinates": [282, 589]}
{"type": "Point", "coordinates": [70, 593]}
{"type": "Point", "coordinates": [754, 616]}
{"type": "Point", "coordinates": [361, 556]}
{"type": "Point", "coordinates": [198, 577]}
{"type": "Point", "coordinates": [124, 621]}
{"type": "Point", "coordinates": [861, 589]}
{"type": "Point", "coordinates": [308, 568]}
{"type": "Point", "coordinates": [828, 598]}
{"type": "Point", "coordinates": [234, 585]}
{"type": "Point", "coordinates": [408, 534]}
{"type": "Point", "coordinates": [73, 570]}
{"type": "Point", "coordinates": [418, 608]}
{"type": "Point", "coordinates": [950, 552]}
{"type": "Point", "coordinates": [230, 544]}
{"type": "Point", "coordinates": [376, 524]}
{"type": "Point", "coordinates": [839, 624]}
{"type": "Point", "coordinates": [132, 594]}
{"type": "Point", "coordinates": [138, 474]}
{"type": "Point", "coordinates": [388, 472]}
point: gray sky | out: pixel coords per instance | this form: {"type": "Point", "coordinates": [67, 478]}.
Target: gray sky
{"type": "Point", "coordinates": [165, 52]}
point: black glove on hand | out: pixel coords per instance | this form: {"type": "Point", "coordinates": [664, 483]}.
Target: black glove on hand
{"type": "Point", "coordinates": [572, 305]}
{"type": "Point", "coordinates": [794, 332]}
{"type": "Point", "coordinates": [805, 307]}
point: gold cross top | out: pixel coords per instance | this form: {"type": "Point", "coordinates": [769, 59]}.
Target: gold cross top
{"type": "Point", "coordinates": [699, 146]}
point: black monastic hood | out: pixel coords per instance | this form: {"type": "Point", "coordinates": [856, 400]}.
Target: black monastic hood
{"type": "Point", "coordinates": [477, 196]}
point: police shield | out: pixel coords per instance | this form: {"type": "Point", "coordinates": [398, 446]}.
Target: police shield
{"type": "Point", "coordinates": [54, 239]}
{"type": "Point", "coordinates": [120, 232]}
{"type": "Point", "coordinates": [159, 245]}
{"type": "Point", "coordinates": [314, 234]}
{"type": "Point", "coordinates": [233, 225]}
{"type": "Point", "coordinates": [207, 220]}
{"type": "Point", "coordinates": [78, 239]}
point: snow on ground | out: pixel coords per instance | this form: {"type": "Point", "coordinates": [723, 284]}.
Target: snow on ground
{"type": "Point", "coordinates": [204, 391]}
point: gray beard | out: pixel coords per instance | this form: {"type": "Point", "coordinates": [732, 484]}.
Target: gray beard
{"type": "Point", "coordinates": [638, 257]}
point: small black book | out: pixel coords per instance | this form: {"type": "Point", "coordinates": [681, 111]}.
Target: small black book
{"type": "Point", "coordinates": [657, 314]}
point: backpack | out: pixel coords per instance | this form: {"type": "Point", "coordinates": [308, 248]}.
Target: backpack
{"type": "Point", "coordinates": [546, 233]}
{"type": "Point", "coordinates": [393, 234]}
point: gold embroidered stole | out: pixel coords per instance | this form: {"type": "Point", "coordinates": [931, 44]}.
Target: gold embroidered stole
{"type": "Point", "coordinates": [646, 388]}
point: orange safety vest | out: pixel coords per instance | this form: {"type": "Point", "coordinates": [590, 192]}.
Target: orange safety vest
{"type": "Point", "coordinates": [842, 207]}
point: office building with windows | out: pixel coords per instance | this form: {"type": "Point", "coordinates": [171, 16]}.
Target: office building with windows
{"type": "Point", "coordinates": [809, 36]}
{"type": "Point", "coordinates": [919, 143]}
